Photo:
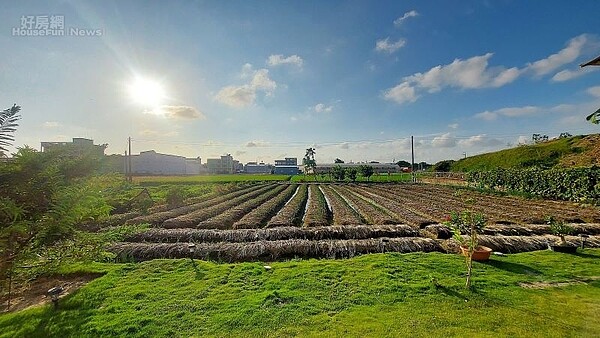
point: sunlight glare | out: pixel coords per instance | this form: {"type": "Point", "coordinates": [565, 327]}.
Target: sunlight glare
{"type": "Point", "coordinates": [147, 93]}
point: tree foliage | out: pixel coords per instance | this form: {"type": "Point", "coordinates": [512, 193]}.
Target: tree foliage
{"type": "Point", "coordinates": [338, 173]}
{"type": "Point", "coordinates": [351, 173]}
{"type": "Point", "coordinates": [43, 197]}
{"type": "Point", "coordinates": [8, 125]}
{"type": "Point", "coordinates": [594, 117]}
{"type": "Point", "coordinates": [574, 184]}
{"type": "Point", "coordinates": [366, 171]}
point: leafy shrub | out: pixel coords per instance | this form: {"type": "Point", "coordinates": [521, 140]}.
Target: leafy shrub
{"type": "Point", "coordinates": [575, 184]}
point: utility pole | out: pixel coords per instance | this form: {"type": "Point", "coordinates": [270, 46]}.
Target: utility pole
{"type": "Point", "coordinates": [412, 151]}
{"type": "Point", "coordinates": [129, 161]}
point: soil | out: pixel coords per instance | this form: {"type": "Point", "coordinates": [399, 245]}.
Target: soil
{"type": "Point", "coordinates": [34, 293]}
{"type": "Point", "coordinates": [545, 285]}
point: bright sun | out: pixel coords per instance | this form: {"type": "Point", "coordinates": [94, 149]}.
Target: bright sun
{"type": "Point", "coordinates": [146, 92]}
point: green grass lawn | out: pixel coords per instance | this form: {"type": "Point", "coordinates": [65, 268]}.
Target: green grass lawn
{"type": "Point", "coordinates": [378, 295]}
{"type": "Point", "coordinates": [158, 180]}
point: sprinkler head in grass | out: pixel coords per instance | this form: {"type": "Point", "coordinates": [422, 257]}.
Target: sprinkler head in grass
{"type": "Point", "coordinates": [583, 237]}
{"type": "Point", "coordinates": [192, 249]}
{"type": "Point", "coordinates": [54, 293]}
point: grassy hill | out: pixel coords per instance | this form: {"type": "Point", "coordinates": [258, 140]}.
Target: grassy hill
{"type": "Point", "coordinates": [576, 151]}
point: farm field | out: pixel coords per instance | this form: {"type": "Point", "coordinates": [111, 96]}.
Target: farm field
{"type": "Point", "coordinates": [158, 180]}
{"type": "Point", "coordinates": [273, 221]}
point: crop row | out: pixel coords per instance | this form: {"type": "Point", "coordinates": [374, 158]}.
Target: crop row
{"type": "Point", "coordinates": [292, 212]}
{"type": "Point", "coordinates": [225, 219]}
{"type": "Point", "coordinates": [159, 217]}
{"type": "Point", "coordinates": [192, 219]}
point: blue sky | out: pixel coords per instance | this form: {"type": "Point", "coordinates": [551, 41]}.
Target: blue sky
{"type": "Point", "coordinates": [267, 79]}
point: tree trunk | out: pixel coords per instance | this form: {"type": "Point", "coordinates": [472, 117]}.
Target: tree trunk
{"type": "Point", "coordinates": [469, 269]}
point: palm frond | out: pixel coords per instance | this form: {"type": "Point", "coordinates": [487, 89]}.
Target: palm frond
{"type": "Point", "coordinates": [8, 125]}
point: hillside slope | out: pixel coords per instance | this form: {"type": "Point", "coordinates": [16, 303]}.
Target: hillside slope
{"type": "Point", "coordinates": [576, 151]}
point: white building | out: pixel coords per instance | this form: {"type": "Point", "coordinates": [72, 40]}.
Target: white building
{"type": "Point", "coordinates": [152, 163]}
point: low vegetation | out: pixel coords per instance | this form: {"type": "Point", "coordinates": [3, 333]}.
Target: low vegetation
{"type": "Point", "coordinates": [563, 152]}
{"type": "Point", "coordinates": [419, 295]}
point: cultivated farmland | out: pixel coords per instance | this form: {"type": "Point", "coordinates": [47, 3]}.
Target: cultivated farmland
{"type": "Point", "coordinates": [270, 221]}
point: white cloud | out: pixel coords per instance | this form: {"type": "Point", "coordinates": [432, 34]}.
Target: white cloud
{"type": "Point", "coordinates": [389, 47]}
{"type": "Point", "coordinates": [322, 108]}
{"type": "Point", "coordinates": [178, 112]}
{"type": "Point", "coordinates": [453, 126]}
{"type": "Point", "coordinates": [523, 139]}
{"type": "Point", "coordinates": [563, 57]}
{"type": "Point", "coordinates": [406, 15]}
{"type": "Point", "coordinates": [567, 74]}
{"type": "Point", "coordinates": [509, 112]}
{"type": "Point", "coordinates": [236, 96]}
{"type": "Point", "coordinates": [254, 144]}
{"type": "Point", "coordinates": [472, 73]}
{"type": "Point", "coordinates": [475, 73]}
{"type": "Point", "coordinates": [51, 124]}
{"type": "Point", "coordinates": [261, 81]}
{"type": "Point", "coordinates": [245, 95]}
{"type": "Point", "coordinates": [594, 91]}
{"type": "Point", "coordinates": [401, 93]}
{"type": "Point", "coordinates": [481, 140]}
{"type": "Point", "coordinates": [444, 141]}
{"type": "Point", "coordinates": [487, 115]}
{"type": "Point", "coordinates": [156, 133]}
{"type": "Point", "coordinates": [279, 59]}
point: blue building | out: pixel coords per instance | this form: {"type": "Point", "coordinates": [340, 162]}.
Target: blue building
{"type": "Point", "coordinates": [286, 170]}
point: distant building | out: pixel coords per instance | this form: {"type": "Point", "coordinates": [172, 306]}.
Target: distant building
{"type": "Point", "coordinates": [287, 161]}
{"type": "Point", "coordinates": [224, 165]}
{"type": "Point", "coordinates": [152, 163]}
{"type": "Point", "coordinates": [287, 166]}
{"type": "Point", "coordinates": [286, 170]}
{"type": "Point", "coordinates": [78, 146]}
{"type": "Point", "coordinates": [257, 168]}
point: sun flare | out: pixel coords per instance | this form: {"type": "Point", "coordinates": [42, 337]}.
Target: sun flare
{"type": "Point", "coordinates": [147, 92]}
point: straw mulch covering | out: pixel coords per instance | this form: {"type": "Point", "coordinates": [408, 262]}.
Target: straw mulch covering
{"type": "Point", "coordinates": [159, 217]}
{"type": "Point", "coordinates": [192, 219]}
{"type": "Point", "coordinates": [538, 229]}
{"type": "Point", "coordinates": [513, 244]}
{"type": "Point", "coordinates": [273, 234]}
{"type": "Point", "coordinates": [292, 211]}
{"type": "Point", "coordinates": [226, 219]}
{"type": "Point", "coordinates": [274, 250]}
{"type": "Point", "coordinates": [437, 231]}
{"type": "Point", "coordinates": [257, 217]}
{"type": "Point", "coordinates": [317, 211]}
{"type": "Point", "coordinates": [343, 214]}
{"type": "Point", "coordinates": [367, 210]}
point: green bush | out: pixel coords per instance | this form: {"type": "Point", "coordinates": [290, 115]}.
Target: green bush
{"type": "Point", "coordinates": [575, 184]}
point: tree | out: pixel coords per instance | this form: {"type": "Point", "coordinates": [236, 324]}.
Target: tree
{"type": "Point", "coordinates": [403, 164]}
{"type": "Point", "coordinates": [565, 135]}
{"type": "Point", "coordinates": [443, 166]}
{"type": "Point", "coordinates": [366, 171]}
{"type": "Point", "coordinates": [337, 160]}
{"type": "Point", "coordinates": [351, 173]}
{"type": "Point", "coordinates": [309, 161]}
{"type": "Point", "coordinates": [338, 173]}
{"type": "Point", "coordinates": [42, 200]}
{"type": "Point", "coordinates": [594, 117]}
{"type": "Point", "coordinates": [8, 125]}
